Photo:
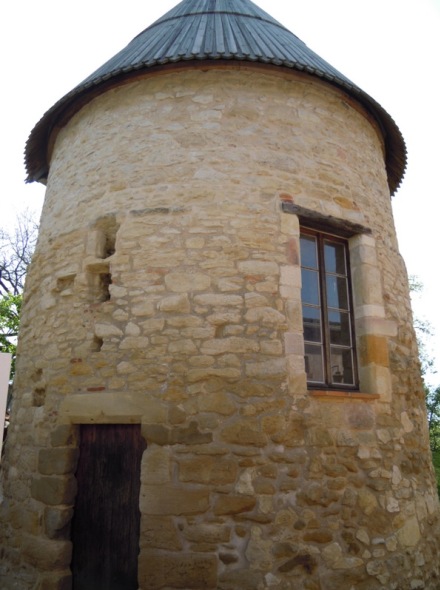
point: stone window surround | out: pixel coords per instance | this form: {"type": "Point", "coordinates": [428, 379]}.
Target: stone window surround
{"type": "Point", "coordinates": [372, 329]}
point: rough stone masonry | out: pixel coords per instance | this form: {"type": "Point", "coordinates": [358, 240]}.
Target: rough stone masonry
{"type": "Point", "coordinates": [165, 291]}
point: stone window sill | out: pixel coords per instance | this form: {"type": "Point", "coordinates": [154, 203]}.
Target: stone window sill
{"type": "Point", "coordinates": [330, 393]}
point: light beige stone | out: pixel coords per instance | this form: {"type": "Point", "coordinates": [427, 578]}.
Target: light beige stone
{"type": "Point", "coordinates": [409, 534]}
{"type": "Point", "coordinates": [173, 500]}
{"type": "Point", "coordinates": [408, 426]}
{"type": "Point", "coordinates": [208, 470]}
{"type": "Point", "coordinates": [248, 480]}
{"type": "Point", "coordinates": [179, 303]}
{"type": "Point", "coordinates": [219, 300]}
{"type": "Point", "coordinates": [156, 466]}
{"type": "Point", "coordinates": [179, 282]}
{"type": "Point", "coordinates": [259, 550]}
{"type": "Point", "coordinates": [234, 504]}
{"type": "Point", "coordinates": [180, 570]}
{"type": "Point", "coordinates": [113, 408]}
{"type": "Point", "coordinates": [256, 267]}
{"type": "Point", "coordinates": [367, 501]}
{"type": "Point", "coordinates": [226, 345]}
{"type": "Point", "coordinates": [217, 402]}
{"type": "Point", "coordinates": [266, 316]}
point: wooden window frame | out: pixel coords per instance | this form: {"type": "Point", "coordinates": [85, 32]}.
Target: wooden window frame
{"type": "Point", "coordinates": [329, 383]}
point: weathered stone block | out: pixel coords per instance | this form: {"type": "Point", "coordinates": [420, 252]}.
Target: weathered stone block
{"type": "Point", "coordinates": [47, 555]}
{"type": "Point", "coordinates": [173, 500]}
{"type": "Point", "coordinates": [107, 331]}
{"type": "Point", "coordinates": [25, 519]}
{"type": "Point", "coordinates": [267, 316]}
{"type": "Point", "coordinates": [57, 461]}
{"type": "Point", "coordinates": [176, 303]}
{"type": "Point", "coordinates": [319, 436]}
{"type": "Point", "coordinates": [63, 436]}
{"type": "Point", "coordinates": [314, 494]}
{"type": "Point", "coordinates": [266, 369]}
{"type": "Point", "coordinates": [160, 570]}
{"type": "Point", "coordinates": [208, 533]}
{"type": "Point", "coordinates": [228, 374]}
{"type": "Point", "coordinates": [336, 559]}
{"type": "Point", "coordinates": [234, 504]}
{"type": "Point", "coordinates": [301, 562]}
{"type": "Point", "coordinates": [208, 470]}
{"type": "Point", "coordinates": [186, 347]}
{"type": "Point", "coordinates": [318, 536]}
{"type": "Point", "coordinates": [409, 535]}
{"type": "Point", "coordinates": [56, 522]}
{"type": "Point", "coordinates": [258, 267]}
{"type": "Point", "coordinates": [217, 402]}
{"type": "Point", "coordinates": [56, 581]}
{"type": "Point", "coordinates": [179, 282]}
{"type": "Point", "coordinates": [156, 433]}
{"type": "Point", "coordinates": [244, 579]}
{"type": "Point", "coordinates": [54, 490]}
{"type": "Point", "coordinates": [156, 466]}
{"type": "Point", "coordinates": [159, 532]}
{"type": "Point", "coordinates": [367, 501]}
{"type": "Point", "coordinates": [219, 300]}
{"type": "Point", "coordinates": [190, 435]}
{"type": "Point", "coordinates": [233, 344]}
{"type": "Point", "coordinates": [133, 343]}
{"type": "Point", "coordinates": [360, 416]}
{"type": "Point", "coordinates": [264, 487]}
{"type": "Point", "coordinates": [373, 350]}
{"type": "Point", "coordinates": [244, 432]}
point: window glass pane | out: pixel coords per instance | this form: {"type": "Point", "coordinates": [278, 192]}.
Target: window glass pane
{"type": "Point", "coordinates": [339, 325]}
{"type": "Point", "coordinates": [312, 323]}
{"type": "Point", "coordinates": [334, 256]}
{"type": "Point", "coordinates": [310, 286]}
{"type": "Point", "coordinates": [342, 366]}
{"type": "Point", "coordinates": [326, 308]}
{"type": "Point", "coordinates": [308, 252]}
{"type": "Point", "coordinates": [314, 363]}
{"type": "Point", "coordinates": [337, 294]}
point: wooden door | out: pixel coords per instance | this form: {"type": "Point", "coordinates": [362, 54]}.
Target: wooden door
{"type": "Point", "coordinates": [105, 526]}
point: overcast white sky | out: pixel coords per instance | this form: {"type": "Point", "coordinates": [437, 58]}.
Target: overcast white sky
{"type": "Point", "coordinates": [390, 48]}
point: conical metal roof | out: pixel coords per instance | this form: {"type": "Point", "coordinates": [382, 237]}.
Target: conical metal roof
{"type": "Point", "coordinates": [205, 30]}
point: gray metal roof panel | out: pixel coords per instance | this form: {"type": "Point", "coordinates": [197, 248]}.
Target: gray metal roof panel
{"type": "Point", "coordinates": [213, 30]}
{"type": "Point", "coordinates": [213, 36]}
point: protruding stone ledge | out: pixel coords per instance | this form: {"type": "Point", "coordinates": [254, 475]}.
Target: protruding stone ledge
{"type": "Point", "coordinates": [341, 395]}
{"type": "Point", "coordinates": [111, 408]}
{"type": "Point", "coordinates": [316, 220]}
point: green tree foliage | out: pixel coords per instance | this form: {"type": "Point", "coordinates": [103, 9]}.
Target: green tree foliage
{"type": "Point", "coordinates": [423, 331]}
{"type": "Point", "coordinates": [10, 307]}
{"type": "Point", "coordinates": [433, 410]}
{"type": "Point", "coordinates": [432, 393]}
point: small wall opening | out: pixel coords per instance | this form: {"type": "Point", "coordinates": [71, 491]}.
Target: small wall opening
{"type": "Point", "coordinates": [65, 284]}
{"type": "Point", "coordinates": [97, 344]}
{"type": "Point", "coordinates": [105, 280]}
{"type": "Point", "coordinates": [38, 397]}
{"type": "Point", "coordinates": [107, 229]}
{"type": "Point", "coordinates": [99, 283]}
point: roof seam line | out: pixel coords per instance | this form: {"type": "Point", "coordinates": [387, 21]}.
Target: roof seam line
{"type": "Point", "coordinates": [189, 15]}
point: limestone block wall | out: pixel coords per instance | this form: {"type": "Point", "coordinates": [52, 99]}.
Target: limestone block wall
{"type": "Point", "coordinates": [165, 290]}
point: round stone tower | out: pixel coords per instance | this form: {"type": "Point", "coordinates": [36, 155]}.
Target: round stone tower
{"type": "Point", "coordinates": [217, 384]}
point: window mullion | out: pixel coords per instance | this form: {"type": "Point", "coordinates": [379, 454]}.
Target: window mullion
{"type": "Point", "coordinates": [324, 311]}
